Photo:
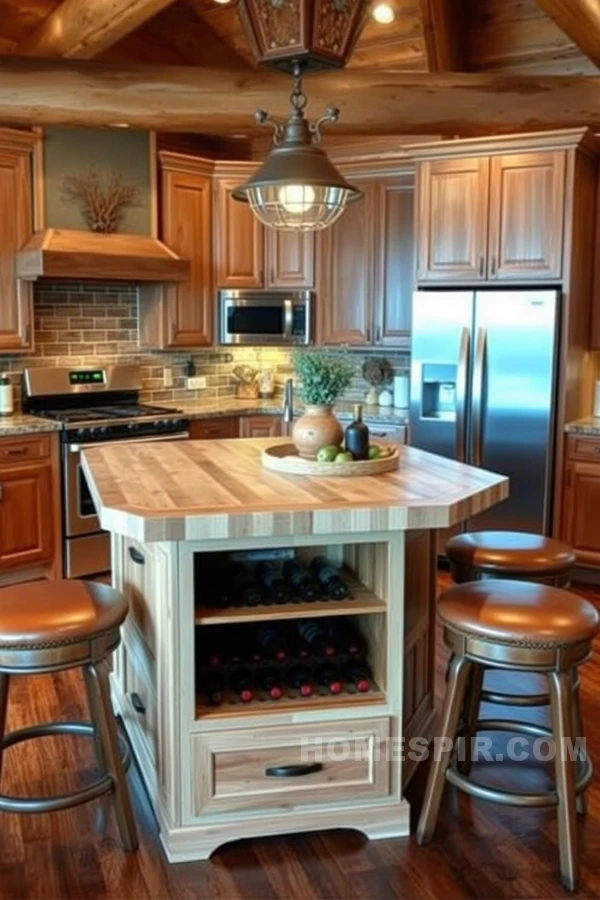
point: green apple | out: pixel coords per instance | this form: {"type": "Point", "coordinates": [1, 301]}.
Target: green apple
{"type": "Point", "coordinates": [344, 457]}
{"type": "Point", "coordinates": [328, 453]}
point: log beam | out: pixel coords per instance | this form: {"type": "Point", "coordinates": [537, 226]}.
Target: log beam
{"type": "Point", "coordinates": [443, 25]}
{"type": "Point", "coordinates": [81, 29]}
{"type": "Point", "coordinates": [580, 21]}
{"type": "Point", "coordinates": [220, 101]}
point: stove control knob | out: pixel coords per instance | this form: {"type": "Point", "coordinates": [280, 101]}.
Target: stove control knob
{"type": "Point", "coordinates": [133, 426]}
{"type": "Point", "coordinates": [81, 432]}
{"type": "Point", "coordinates": [104, 430]}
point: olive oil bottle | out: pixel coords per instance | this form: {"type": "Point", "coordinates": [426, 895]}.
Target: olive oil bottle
{"type": "Point", "coordinates": [357, 436]}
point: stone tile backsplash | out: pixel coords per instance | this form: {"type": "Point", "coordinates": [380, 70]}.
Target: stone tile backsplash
{"type": "Point", "coordinates": [85, 324]}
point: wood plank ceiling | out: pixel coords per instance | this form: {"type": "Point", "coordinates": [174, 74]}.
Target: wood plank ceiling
{"type": "Point", "coordinates": [515, 39]}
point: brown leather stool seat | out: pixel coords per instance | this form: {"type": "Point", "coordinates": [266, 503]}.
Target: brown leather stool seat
{"type": "Point", "coordinates": [527, 627]}
{"type": "Point", "coordinates": [509, 554]}
{"type": "Point", "coordinates": [51, 626]}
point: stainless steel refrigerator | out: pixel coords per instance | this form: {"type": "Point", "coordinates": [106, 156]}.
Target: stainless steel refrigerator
{"type": "Point", "coordinates": [483, 391]}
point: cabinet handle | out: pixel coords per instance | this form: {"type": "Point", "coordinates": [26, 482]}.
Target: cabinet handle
{"type": "Point", "coordinates": [1, 492]}
{"type": "Point", "coordinates": [138, 704]}
{"type": "Point", "coordinates": [293, 771]}
{"type": "Point", "coordinates": [378, 335]}
{"type": "Point", "coordinates": [481, 264]}
{"type": "Point", "coordinates": [136, 556]}
{"type": "Point", "coordinates": [368, 335]}
{"type": "Point", "coordinates": [493, 272]}
{"type": "Point", "coordinates": [28, 335]}
{"type": "Point", "coordinates": [17, 451]}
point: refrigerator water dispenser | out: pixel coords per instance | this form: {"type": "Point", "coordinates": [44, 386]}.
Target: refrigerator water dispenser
{"type": "Point", "coordinates": [438, 391]}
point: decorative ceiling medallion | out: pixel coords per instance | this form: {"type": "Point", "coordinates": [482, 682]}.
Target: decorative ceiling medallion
{"type": "Point", "coordinates": [318, 33]}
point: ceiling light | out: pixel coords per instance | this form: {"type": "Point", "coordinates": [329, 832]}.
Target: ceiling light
{"type": "Point", "coordinates": [297, 188]}
{"type": "Point", "coordinates": [120, 125]}
{"type": "Point", "coordinates": [223, 2]}
{"type": "Point", "coordinates": [383, 13]}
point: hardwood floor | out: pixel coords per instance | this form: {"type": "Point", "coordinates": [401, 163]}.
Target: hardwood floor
{"type": "Point", "coordinates": [480, 850]}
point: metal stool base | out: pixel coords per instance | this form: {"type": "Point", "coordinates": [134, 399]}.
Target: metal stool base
{"type": "Point", "coordinates": [104, 785]}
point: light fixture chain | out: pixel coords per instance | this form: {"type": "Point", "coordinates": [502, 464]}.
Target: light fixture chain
{"type": "Point", "coordinates": [298, 98]}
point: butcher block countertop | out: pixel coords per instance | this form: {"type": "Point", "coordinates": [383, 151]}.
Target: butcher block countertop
{"type": "Point", "coordinates": [214, 490]}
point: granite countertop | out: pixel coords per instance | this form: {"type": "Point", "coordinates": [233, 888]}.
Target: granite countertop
{"type": "Point", "coordinates": [215, 490]}
{"type": "Point", "coordinates": [589, 425]}
{"type": "Point", "coordinates": [200, 409]}
{"type": "Point", "coordinates": [21, 423]}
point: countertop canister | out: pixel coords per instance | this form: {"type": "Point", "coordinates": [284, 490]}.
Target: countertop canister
{"type": "Point", "coordinates": [6, 395]}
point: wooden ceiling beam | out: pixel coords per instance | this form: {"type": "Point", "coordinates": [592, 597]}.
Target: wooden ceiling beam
{"type": "Point", "coordinates": [81, 29]}
{"type": "Point", "coordinates": [580, 21]}
{"type": "Point", "coordinates": [443, 24]}
{"type": "Point", "coordinates": [222, 100]}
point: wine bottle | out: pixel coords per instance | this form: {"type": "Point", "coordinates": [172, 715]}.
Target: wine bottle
{"type": "Point", "coordinates": [240, 682]}
{"type": "Point", "coordinates": [268, 680]}
{"type": "Point", "coordinates": [298, 677]}
{"type": "Point", "coordinates": [358, 674]}
{"type": "Point", "coordinates": [316, 638]}
{"type": "Point", "coordinates": [242, 588]}
{"type": "Point", "coordinates": [212, 687]}
{"type": "Point", "coordinates": [301, 582]}
{"type": "Point", "coordinates": [272, 642]}
{"type": "Point", "coordinates": [347, 639]}
{"type": "Point", "coordinates": [329, 578]}
{"type": "Point", "coordinates": [273, 586]}
{"type": "Point", "coordinates": [327, 675]}
{"type": "Point", "coordinates": [357, 436]}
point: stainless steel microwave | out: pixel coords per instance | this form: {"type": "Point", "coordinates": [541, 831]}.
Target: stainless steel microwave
{"type": "Point", "coordinates": [261, 317]}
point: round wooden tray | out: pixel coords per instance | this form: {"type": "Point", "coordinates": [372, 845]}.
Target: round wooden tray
{"type": "Point", "coordinates": [284, 458]}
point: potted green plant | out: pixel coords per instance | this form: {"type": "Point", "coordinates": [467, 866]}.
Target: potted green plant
{"type": "Point", "coordinates": [323, 379]}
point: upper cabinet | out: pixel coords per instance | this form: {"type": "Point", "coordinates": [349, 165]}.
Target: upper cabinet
{"type": "Point", "coordinates": [16, 215]}
{"type": "Point", "coordinates": [248, 255]}
{"type": "Point", "coordinates": [365, 266]}
{"type": "Point", "coordinates": [491, 218]}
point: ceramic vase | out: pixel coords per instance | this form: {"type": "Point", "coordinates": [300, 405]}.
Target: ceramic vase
{"type": "Point", "coordinates": [317, 428]}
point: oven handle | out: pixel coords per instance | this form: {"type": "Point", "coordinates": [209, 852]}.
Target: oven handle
{"type": "Point", "coordinates": [179, 436]}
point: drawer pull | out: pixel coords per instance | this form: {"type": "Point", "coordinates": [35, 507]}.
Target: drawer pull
{"type": "Point", "coordinates": [293, 771]}
{"type": "Point", "coordinates": [138, 704]}
{"type": "Point", "coordinates": [17, 451]}
{"type": "Point", "coordinates": [136, 556]}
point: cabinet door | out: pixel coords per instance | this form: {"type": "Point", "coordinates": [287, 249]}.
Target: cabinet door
{"type": "Point", "coordinates": [395, 268]}
{"type": "Point", "coordinates": [290, 261]}
{"type": "Point", "coordinates": [527, 215]}
{"type": "Point", "coordinates": [186, 228]}
{"type": "Point", "coordinates": [217, 429]}
{"type": "Point", "coordinates": [452, 198]}
{"type": "Point", "coordinates": [260, 426]}
{"type": "Point", "coordinates": [16, 332]}
{"type": "Point", "coordinates": [240, 240]}
{"type": "Point", "coordinates": [345, 270]}
{"type": "Point", "coordinates": [581, 510]}
{"type": "Point", "coordinates": [26, 515]}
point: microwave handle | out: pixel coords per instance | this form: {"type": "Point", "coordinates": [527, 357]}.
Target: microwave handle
{"type": "Point", "coordinates": [288, 319]}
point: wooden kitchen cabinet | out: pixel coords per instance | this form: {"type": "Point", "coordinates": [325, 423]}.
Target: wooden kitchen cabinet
{"type": "Point", "coordinates": [527, 215]}
{"type": "Point", "coordinates": [260, 426]}
{"type": "Point", "coordinates": [248, 255]}
{"type": "Point", "coordinates": [180, 315]}
{"type": "Point", "coordinates": [452, 203]}
{"type": "Point", "coordinates": [491, 218]}
{"type": "Point", "coordinates": [581, 498]}
{"type": "Point", "coordinates": [394, 252]}
{"type": "Point", "coordinates": [30, 534]}
{"type": "Point", "coordinates": [16, 215]}
{"type": "Point", "coordinates": [215, 429]}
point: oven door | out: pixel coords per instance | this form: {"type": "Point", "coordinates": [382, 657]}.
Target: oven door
{"type": "Point", "coordinates": [80, 511]}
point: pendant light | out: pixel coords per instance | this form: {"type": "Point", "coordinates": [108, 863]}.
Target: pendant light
{"type": "Point", "coordinates": [297, 188]}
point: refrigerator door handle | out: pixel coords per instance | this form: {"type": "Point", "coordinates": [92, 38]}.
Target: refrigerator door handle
{"type": "Point", "coordinates": [477, 409]}
{"type": "Point", "coordinates": [461, 395]}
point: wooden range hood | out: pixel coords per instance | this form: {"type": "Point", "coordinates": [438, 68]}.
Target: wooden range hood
{"type": "Point", "coordinates": [61, 253]}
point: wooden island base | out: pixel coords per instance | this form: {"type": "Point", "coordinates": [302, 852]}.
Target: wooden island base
{"type": "Point", "coordinates": [220, 773]}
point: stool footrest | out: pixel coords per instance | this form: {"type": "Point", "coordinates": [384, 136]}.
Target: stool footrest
{"type": "Point", "coordinates": [65, 801]}
{"type": "Point", "coordinates": [521, 700]}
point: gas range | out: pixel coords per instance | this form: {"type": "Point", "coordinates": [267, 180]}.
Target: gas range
{"type": "Point", "coordinates": [93, 404]}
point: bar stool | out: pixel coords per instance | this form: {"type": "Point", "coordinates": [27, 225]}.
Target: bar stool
{"type": "Point", "coordinates": [523, 626]}
{"type": "Point", "coordinates": [510, 554]}
{"type": "Point", "coordinates": [52, 626]}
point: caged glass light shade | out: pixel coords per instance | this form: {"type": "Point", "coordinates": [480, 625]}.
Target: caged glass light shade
{"type": "Point", "coordinates": [297, 188]}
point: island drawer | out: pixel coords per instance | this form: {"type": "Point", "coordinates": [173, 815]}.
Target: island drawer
{"type": "Point", "coordinates": [292, 765]}
{"type": "Point", "coordinates": [139, 687]}
{"type": "Point", "coordinates": [585, 448]}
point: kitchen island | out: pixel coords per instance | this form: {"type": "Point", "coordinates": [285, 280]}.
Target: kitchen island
{"type": "Point", "coordinates": [219, 772]}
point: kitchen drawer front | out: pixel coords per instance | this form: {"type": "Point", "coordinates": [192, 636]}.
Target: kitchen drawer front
{"type": "Point", "coordinates": [587, 448]}
{"type": "Point", "coordinates": [230, 768]}
{"type": "Point", "coordinates": [24, 449]}
{"type": "Point", "coordinates": [219, 428]}
{"type": "Point", "coordinates": [139, 687]}
{"type": "Point", "coordinates": [145, 582]}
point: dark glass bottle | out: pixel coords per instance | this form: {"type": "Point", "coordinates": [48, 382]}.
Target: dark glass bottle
{"type": "Point", "coordinates": [273, 586]}
{"type": "Point", "coordinates": [316, 638]}
{"type": "Point", "coordinates": [272, 642]}
{"type": "Point", "coordinates": [358, 674]}
{"type": "Point", "coordinates": [357, 436]}
{"type": "Point", "coordinates": [347, 639]}
{"type": "Point", "coordinates": [300, 581]}
{"type": "Point", "coordinates": [327, 675]}
{"type": "Point", "coordinates": [328, 577]}
{"type": "Point", "coordinates": [298, 677]}
{"type": "Point", "coordinates": [212, 687]}
{"type": "Point", "coordinates": [268, 679]}
{"type": "Point", "coordinates": [240, 682]}
{"type": "Point", "coordinates": [242, 588]}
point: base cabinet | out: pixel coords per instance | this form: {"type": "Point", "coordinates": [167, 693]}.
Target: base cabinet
{"type": "Point", "coordinates": [260, 426]}
{"type": "Point", "coordinates": [581, 499]}
{"type": "Point", "coordinates": [219, 428]}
